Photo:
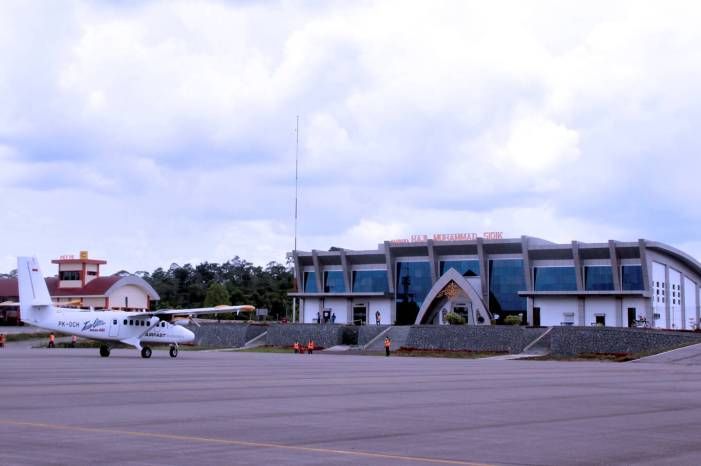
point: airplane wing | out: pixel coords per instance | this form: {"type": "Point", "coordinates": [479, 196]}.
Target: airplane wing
{"type": "Point", "coordinates": [195, 311]}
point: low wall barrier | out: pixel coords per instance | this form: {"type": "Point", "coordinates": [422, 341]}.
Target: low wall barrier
{"type": "Point", "coordinates": [571, 341]}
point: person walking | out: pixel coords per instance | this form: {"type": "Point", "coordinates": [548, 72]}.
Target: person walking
{"type": "Point", "coordinates": [377, 317]}
{"type": "Point", "coordinates": [333, 318]}
{"type": "Point", "coordinates": [310, 347]}
{"type": "Point", "coordinates": [296, 346]}
{"type": "Point", "coordinates": [388, 343]}
{"type": "Point", "coordinates": [74, 339]}
{"type": "Point", "coordinates": [2, 340]}
{"type": "Point", "coordinates": [52, 339]}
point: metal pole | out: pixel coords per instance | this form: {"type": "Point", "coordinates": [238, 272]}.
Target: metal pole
{"type": "Point", "coordinates": [296, 178]}
{"type": "Point", "coordinates": [294, 300]}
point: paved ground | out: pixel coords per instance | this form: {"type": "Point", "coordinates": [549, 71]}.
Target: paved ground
{"type": "Point", "coordinates": [72, 407]}
{"type": "Point", "coordinates": [687, 356]}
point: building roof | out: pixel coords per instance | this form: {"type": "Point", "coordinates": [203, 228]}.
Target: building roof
{"type": "Point", "coordinates": [8, 287]}
{"type": "Point", "coordinates": [96, 287]}
{"type": "Point", "coordinates": [537, 249]}
{"type": "Point", "coordinates": [100, 286]}
{"type": "Point", "coordinates": [79, 261]}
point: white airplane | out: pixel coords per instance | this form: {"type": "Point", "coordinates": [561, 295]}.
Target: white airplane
{"type": "Point", "coordinates": [131, 328]}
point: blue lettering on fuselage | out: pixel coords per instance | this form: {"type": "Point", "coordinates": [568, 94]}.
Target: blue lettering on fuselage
{"type": "Point", "coordinates": [93, 326]}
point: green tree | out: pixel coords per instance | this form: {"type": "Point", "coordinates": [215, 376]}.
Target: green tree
{"type": "Point", "coordinates": [245, 283]}
{"type": "Point", "coordinates": [454, 319]}
{"type": "Point", "coordinates": [216, 295]}
{"type": "Point", "coordinates": [512, 320]}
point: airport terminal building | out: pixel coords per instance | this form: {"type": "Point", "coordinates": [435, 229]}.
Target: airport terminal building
{"type": "Point", "coordinates": [487, 278]}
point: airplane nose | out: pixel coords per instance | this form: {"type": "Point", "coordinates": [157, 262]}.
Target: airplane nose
{"type": "Point", "coordinates": [188, 336]}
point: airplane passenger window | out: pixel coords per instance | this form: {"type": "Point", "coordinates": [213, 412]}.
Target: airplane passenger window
{"type": "Point", "coordinates": [163, 324]}
{"type": "Point", "coordinates": [131, 322]}
{"type": "Point", "coordinates": [114, 322]}
{"type": "Point", "coordinates": [125, 321]}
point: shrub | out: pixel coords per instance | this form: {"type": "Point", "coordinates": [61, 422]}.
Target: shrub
{"type": "Point", "coordinates": [454, 319]}
{"type": "Point", "coordinates": [512, 320]}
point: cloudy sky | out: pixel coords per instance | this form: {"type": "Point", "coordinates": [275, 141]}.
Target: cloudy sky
{"type": "Point", "coordinates": [158, 132]}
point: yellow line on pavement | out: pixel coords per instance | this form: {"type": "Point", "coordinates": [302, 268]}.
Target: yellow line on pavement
{"type": "Point", "coordinates": [244, 443]}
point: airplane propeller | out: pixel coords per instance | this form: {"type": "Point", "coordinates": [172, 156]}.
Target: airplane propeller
{"type": "Point", "coordinates": [186, 321]}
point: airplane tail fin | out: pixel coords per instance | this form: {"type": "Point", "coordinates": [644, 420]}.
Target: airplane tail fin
{"type": "Point", "coordinates": [33, 292]}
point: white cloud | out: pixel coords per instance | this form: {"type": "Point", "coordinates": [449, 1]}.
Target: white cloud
{"type": "Point", "coordinates": [169, 126]}
{"type": "Point", "coordinates": [533, 145]}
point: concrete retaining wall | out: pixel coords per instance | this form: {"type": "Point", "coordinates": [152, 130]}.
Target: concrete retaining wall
{"type": "Point", "coordinates": [368, 332]}
{"type": "Point", "coordinates": [324, 336]}
{"type": "Point", "coordinates": [569, 341]}
{"type": "Point", "coordinates": [227, 335]}
{"type": "Point", "coordinates": [471, 338]}
{"type": "Point", "coordinates": [565, 341]}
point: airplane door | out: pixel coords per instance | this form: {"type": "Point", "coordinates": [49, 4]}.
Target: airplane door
{"type": "Point", "coordinates": [114, 328]}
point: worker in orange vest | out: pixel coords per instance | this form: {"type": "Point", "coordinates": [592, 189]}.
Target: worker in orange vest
{"type": "Point", "coordinates": [2, 340]}
{"type": "Point", "coordinates": [52, 338]}
{"type": "Point", "coordinates": [388, 343]}
{"type": "Point", "coordinates": [296, 346]}
{"type": "Point", "coordinates": [310, 347]}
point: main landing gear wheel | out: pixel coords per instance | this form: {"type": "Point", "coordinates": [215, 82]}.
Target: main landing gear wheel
{"type": "Point", "coordinates": [145, 352]}
{"type": "Point", "coordinates": [104, 351]}
{"type": "Point", "coordinates": [173, 352]}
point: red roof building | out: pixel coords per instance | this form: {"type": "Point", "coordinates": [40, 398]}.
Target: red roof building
{"type": "Point", "coordinates": [78, 283]}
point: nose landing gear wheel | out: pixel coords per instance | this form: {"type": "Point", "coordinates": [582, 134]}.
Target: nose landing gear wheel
{"type": "Point", "coordinates": [173, 352]}
{"type": "Point", "coordinates": [104, 351]}
{"type": "Point", "coordinates": [145, 352]}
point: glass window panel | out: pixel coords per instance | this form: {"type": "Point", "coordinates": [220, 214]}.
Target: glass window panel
{"type": "Point", "coordinates": [598, 278]}
{"type": "Point", "coordinates": [310, 282]}
{"type": "Point", "coordinates": [506, 279]}
{"type": "Point", "coordinates": [69, 275]}
{"type": "Point", "coordinates": [467, 268]}
{"type": "Point", "coordinates": [365, 281]}
{"type": "Point", "coordinates": [413, 284]}
{"type": "Point", "coordinates": [632, 278]}
{"type": "Point", "coordinates": [555, 279]}
{"type": "Point", "coordinates": [333, 282]}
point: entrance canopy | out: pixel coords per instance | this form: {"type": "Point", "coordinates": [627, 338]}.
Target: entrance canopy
{"type": "Point", "coordinates": [453, 293]}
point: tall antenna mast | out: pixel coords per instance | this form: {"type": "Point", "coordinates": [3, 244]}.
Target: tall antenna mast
{"type": "Point", "coordinates": [296, 179]}
{"type": "Point", "coordinates": [297, 272]}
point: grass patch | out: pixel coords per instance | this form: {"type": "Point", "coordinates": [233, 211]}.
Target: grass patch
{"type": "Point", "coordinates": [609, 357]}
{"type": "Point", "coordinates": [269, 349]}
{"type": "Point", "coordinates": [420, 353]}
{"type": "Point", "coordinates": [14, 337]}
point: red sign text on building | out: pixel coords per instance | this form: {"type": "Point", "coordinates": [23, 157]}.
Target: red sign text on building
{"type": "Point", "coordinates": [449, 237]}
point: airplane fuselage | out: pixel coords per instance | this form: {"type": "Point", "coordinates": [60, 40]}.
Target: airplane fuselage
{"type": "Point", "coordinates": [112, 326]}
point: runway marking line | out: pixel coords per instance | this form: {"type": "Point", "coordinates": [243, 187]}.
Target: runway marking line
{"type": "Point", "coordinates": [245, 443]}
